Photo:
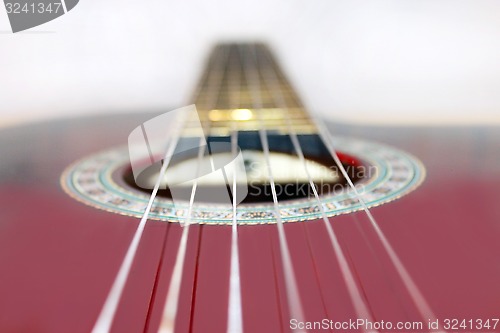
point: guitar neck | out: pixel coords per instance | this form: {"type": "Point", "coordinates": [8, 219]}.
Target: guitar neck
{"type": "Point", "coordinates": [243, 88]}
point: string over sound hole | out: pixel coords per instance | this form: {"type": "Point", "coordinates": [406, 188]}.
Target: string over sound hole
{"type": "Point", "coordinates": [290, 177]}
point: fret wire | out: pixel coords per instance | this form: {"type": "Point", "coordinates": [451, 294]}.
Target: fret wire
{"type": "Point", "coordinates": [199, 91]}
{"type": "Point", "coordinates": [358, 301]}
{"type": "Point", "coordinates": [294, 302]}
{"type": "Point", "coordinates": [106, 316]}
{"type": "Point", "coordinates": [282, 77]}
{"type": "Point", "coordinates": [108, 311]}
{"type": "Point", "coordinates": [167, 324]}
{"type": "Point", "coordinates": [420, 301]}
{"type": "Point", "coordinates": [224, 100]}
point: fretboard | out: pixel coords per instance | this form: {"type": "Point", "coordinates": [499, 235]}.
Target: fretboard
{"type": "Point", "coordinates": [243, 88]}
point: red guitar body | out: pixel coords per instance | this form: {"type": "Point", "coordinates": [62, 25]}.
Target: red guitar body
{"type": "Point", "coordinates": [59, 257]}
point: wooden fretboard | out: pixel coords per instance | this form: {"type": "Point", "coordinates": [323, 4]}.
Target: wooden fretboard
{"type": "Point", "coordinates": [243, 88]}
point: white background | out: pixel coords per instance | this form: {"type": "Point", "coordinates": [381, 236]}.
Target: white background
{"type": "Point", "coordinates": [399, 61]}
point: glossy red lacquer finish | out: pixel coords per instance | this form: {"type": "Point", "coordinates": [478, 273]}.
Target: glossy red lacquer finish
{"type": "Point", "coordinates": [58, 257]}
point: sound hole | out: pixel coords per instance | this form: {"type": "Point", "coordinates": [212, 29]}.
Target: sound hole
{"type": "Point", "coordinates": [290, 178]}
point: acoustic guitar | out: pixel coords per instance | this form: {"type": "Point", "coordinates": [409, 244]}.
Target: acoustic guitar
{"type": "Point", "coordinates": [252, 216]}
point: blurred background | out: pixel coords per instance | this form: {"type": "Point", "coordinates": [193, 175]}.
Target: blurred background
{"type": "Point", "coordinates": [407, 62]}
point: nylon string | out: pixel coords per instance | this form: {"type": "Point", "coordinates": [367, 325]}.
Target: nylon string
{"type": "Point", "coordinates": [234, 311]}
{"type": "Point", "coordinates": [357, 300]}
{"type": "Point", "coordinates": [167, 324]}
{"type": "Point", "coordinates": [292, 291]}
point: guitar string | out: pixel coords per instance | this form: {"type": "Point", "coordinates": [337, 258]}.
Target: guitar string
{"type": "Point", "coordinates": [234, 311]}
{"type": "Point", "coordinates": [206, 76]}
{"type": "Point", "coordinates": [154, 290]}
{"type": "Point", "coordinates": [167, 324]}
{"type": "Point", "coordinates": [263, 136]}
{"type": "Point", "coordinates": [292, 291]}
{"type": "Point", "coordinates": [417, 297]}
{"type": "Point", "coordinates": [358, 301]}
{"type": "Point", "coordinates": [170, 309]}
{"type": "Point", "coordinates": [419, 300]}
{"type": "Point", "coordinates": [108, 311]}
